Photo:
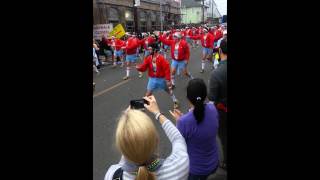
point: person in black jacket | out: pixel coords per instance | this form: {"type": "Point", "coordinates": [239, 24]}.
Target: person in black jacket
{"type": "Point", "coordinates": [218, 94]}
{"type": "Point", "coordinates": [105, 48]}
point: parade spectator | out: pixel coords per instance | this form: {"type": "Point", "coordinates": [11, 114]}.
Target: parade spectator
{"type": "Point", "coordinates": [215, 55]}
{"type": "Point", "coordinates": [137, 139]}
{"type": "Point", "coordinates": [105, 48]}
{"type": "Point", "coordinates": [96, 49]}
{"type": "Point", "coordinates": [199, 127]}
{"type": "Point", "coordinates": [95, 60]}
{"type": "Point", "coordinates": [218, 94]}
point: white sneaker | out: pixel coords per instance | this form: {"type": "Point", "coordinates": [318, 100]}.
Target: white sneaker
{"type": "Point", "coordinates": [125, 78]}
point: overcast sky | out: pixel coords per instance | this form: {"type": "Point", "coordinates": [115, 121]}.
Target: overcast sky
{"type": "Point", "coordinates": [222, 6]}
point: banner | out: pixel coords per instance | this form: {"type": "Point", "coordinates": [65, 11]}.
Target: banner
{"type": "Point", "coordinates": [101, 29]}
{"type": "Point", "coordinates": [117, 31]}
{"type": "Point", "coordinates": [137, 3]}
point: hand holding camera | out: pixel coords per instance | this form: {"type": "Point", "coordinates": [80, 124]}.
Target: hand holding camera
{"type": "Point", "coordinates": [152, 105]}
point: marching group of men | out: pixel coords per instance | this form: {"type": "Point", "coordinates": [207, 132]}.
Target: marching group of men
{"type": "Point", "coordinates": [126, 51]}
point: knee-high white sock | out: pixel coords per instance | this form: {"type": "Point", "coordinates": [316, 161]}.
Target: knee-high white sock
{"type": "Point", "coordinates": [203, 63]}
{"type": "Point", "coordinates": [172, 79]}
{"type": "Point", "coordinates": [190, 76]}
{"type": "Point", "coordinates": [174, 99]}
{"type": "Point", "coordinates": [95, 69]}
{"type": "Point", "coordinates": [128, 71]}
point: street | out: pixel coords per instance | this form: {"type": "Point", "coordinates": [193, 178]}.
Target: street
{"type": "Point", "coordinates": [112, 95]}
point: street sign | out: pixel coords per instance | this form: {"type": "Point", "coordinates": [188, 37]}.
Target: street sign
{"type": "Point", "coordinates": [101, 29]}
{"type": "Point", "coordinates": [118, 31]}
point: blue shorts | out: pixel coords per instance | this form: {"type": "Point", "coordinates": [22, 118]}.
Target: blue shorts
{"type": "Point", "coordinates": [146, 53]}
{"type": "Point", "coordinates": [188, 40]}
{"type": "Point", "coordinates": [118, 53]}
{"type": "Point", "coordinates": [108, 52]}
{"type": "Point", "coordinates": [131, 58]}
{"type": "Point", "coordinates": [178, 64]}
{"type": "Point", "coordinates": [207, 50]}
{"type": "Point", "coordinates": [156, 84]}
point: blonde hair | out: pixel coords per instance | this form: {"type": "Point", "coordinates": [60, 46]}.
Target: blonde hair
{"type": "Point", "coordinates": [137, 139]}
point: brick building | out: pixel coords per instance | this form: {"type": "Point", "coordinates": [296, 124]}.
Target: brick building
{"type": "Point", "coordinates": [121, 11]}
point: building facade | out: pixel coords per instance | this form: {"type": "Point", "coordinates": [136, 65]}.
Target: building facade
{"type": "Point", "coordinates": [148, 14]}
{"type": "Point", "coordinates": [192, 12]}
{"type": "Point", "coordinates": [192, 15]}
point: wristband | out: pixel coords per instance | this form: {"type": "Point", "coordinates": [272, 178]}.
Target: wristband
{"type": "Point", "coordinates": [158, 115]}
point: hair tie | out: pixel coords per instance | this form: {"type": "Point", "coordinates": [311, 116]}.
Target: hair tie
{"type": "Point", "coordinates": [198, 98]}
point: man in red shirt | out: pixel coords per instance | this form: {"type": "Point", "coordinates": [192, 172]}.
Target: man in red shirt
{"type": "Point", "coordinates": [189, 33]}
{"type": "Point", "coordinates": [146, 42]}
{"type": "Point", "coordinates": [207, 40]}
{"type": "Point", "coordinates": [159, 73]}
{"type": "Point", "coordinates": [118, 52]}
{"type": "Point", "coordinates": [130, 48]}
{"type": "Point", "coordinates": [168, 36]}
{"type": "Point", "coordinates": [180, 54]}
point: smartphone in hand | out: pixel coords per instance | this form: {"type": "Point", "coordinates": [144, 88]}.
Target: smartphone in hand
{"type": "Point", "coordinates": [138, 103]}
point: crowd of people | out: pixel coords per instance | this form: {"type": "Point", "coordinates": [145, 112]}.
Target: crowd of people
{"type": "Point", "coordinates": [126, 51]}
{"type": "Point", "coordinates": [195, 154]}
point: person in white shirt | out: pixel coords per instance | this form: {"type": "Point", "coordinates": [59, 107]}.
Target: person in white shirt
{"type": "Point", "coordinates": [137, 139]}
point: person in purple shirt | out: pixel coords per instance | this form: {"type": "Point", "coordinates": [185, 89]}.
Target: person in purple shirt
{"type": "Point", "coordinates": [199, 127]}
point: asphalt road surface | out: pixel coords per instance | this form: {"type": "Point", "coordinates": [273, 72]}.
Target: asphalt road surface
{"type": "Point", "coordinates": [112, 96]}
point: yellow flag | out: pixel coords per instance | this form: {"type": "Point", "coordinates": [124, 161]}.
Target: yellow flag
{"type": "Point", "coordinates": [217, 55]}
{"type": "Point", "coordinates": [117, 31]}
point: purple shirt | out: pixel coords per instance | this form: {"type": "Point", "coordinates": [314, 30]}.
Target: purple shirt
{"type": "Point", "coordinates": [201, 140]}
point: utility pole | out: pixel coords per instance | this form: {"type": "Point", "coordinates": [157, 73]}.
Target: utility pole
{"type": "Point", "coordinates": [202, 11]}
{"type": "Point", "coordinates": [161, 18]}
{"type": "Point", "coordinates": [135, 19]}
{"type": "Point", "coordinates": [212, 9]}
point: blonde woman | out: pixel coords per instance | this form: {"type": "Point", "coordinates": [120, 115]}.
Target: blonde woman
{"type": "Point", "coordinates": [137, 139]}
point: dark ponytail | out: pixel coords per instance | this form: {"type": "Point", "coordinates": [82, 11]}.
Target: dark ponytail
{"type": "Point", "coordinates": [198, 111]}
{"type": "Point", "coordinates": [196, 93]}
